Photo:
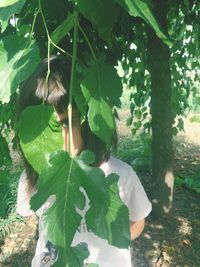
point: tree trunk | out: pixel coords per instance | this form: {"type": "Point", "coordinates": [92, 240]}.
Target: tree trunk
{"type": "Point", "coordinates": [162, 151]}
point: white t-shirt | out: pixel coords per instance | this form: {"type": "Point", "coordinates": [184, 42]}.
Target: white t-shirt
{"type": "Point", "coordinates": [131, 193]}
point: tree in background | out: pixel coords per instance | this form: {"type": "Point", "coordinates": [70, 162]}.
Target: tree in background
{"type": "Point", "coordinates": [161, 112]}
{"type": "Point", "coordinates": [165, 77]}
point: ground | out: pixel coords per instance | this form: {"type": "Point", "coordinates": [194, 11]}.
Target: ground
{"type": "Point", "coordinates": [166, 242]}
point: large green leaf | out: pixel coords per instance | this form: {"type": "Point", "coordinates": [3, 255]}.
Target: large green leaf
{"type": "Point", "coordinates": [99, 14]}
{"type": "Point", "coordinates": [102, 89]}
{"type": "Point", "coordinates": [8, 11]}
{"type": "Point", "coordinates": [40, 135]}
{"type": "Point", "coordinates": [141, 8]}
{"type": "Point", "coordinates": [17, 62]}
{"type": "Point", "coordinates": [61, 220]}
{"type": "Point", "coordinates": [107, 216]}
{"type": "Point", "coordinates": [61, 31]}
{"type": "Point", "coordinates": [4, 3]}
{"type": "Point", "coordinates": [115, 220]}
{"type": "Point", "coordinates": [101, 119]}
{"type": "Point", "coordinates": [78, 94]}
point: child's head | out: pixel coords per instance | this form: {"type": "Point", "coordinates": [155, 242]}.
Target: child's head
{"type": "Point", "coordinates": [34, 91]}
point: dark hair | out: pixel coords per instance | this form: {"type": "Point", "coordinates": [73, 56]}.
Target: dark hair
{"type": "Point", "coordinates": [35, 90]}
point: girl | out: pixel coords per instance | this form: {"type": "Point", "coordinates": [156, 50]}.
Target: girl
{"type": "Point", "coordinates": [32, 92]}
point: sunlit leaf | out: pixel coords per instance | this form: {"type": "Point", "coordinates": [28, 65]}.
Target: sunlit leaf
{"type": "Point", "coordinates": [78, 95]}
{"type": "Point", "coordinates": [141, 8]}
{"type": "Point", "coordinates": [102, 89]}
{"type": "Point", "coordinates": [17, 62]}
{"type": "Point", "coordinates": [40, 135]}
{"type": "Point", "coordinates": [61, 220]}
{"type": "Point", "coordinates": [4, 3]}
{"type": "Point", "coordinates": [8, 11]}
{"type": "Point", "coordinates": [113, 224]}
{"type": "Point", "coordinates": [107, 217]}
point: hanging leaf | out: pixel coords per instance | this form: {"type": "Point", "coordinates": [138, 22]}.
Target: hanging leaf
{"type": "Point", "coordinates": [61, 31]}
{"type": "Point", "coordinates": [78, 95]}
{"type": "Point", "coordinates": [101, 120]}
{"type": "Point", "coordinates": [141, 8]}
{"type": "Point", "coordinates": [5, 3]}
{"type": "Point", "coordinates": [102, 89]}
{"type": "Point", "coordinates": [61, 220]}
{"type": "Point", "coordinates": [17, 62]}
{"type": "Point", "coordinates": [8, 11]}
{"type": "Point", "coordinates": [40, 135]}
{"type": "Point", "coordinates": [107, 217]}
{"type": "Point", "coordinates": [98, 13]}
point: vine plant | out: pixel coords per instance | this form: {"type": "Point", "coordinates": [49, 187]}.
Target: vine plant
{"type": "Point", "coordinates": [95, 86]}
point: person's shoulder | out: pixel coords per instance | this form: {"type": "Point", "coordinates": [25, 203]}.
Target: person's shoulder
{"type": "Point", "coordinates": [119, 164]}
{"type": "Point", "coordinates": [116, 165]}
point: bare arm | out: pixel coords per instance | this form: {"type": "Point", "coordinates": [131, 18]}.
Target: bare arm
{"type": "Point", "coordinates": [136, 228]}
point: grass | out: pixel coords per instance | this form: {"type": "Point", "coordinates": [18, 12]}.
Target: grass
{"type": "Point", "coordinates": [195, 118]}
{"type": "Point", "coordinates": [192, 182]}
{"type": "Point", "coordinates": [136, 151]}
{"type": "Point", "coordinates": [8, 195]}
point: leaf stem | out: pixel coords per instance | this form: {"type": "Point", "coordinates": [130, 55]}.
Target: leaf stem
{"type": "Point", "coordinates": [34, 20]}
{"type": "Point", "coordinates": [59, 48]}
{"type": "Point", "coordinates": [88, 42]}
{"type": "Point", "coordinates": [70, 105]}
{"type": "Point", "coordinates": [48, 53]}
{"type": "Point", "coordinates": [47, 32]}
{"type": "Point", "coordinates": [49, 44]}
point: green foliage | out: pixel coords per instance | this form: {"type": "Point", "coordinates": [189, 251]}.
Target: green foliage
{"type": "Point", "coordinates": [136, 151]}
{"type": "Point", "coordinates": [40, 135]}
{"type": "Point", "coordinates": [192, 182]}
{"type": "Point", "coordinates": [8, 194]}
{"type": "Point", "coordinates": [6, 224]}
{"type": "Point", "coordinates": [102, 42]}
{"type": "Point", "coordinates": [7, 11]}
{"type": "Point", "coordinates": [18, 61]}
{"type": "Point", "coordinates": [61, 220]}
{"type": "Point", "coordinates": [63, 29]}
{"type": "Point", "coordinates": [184, 33]}
{"type": "Point", "coordinates": [98, 13]}
{"type": "Point", "coordinates": [5, 3]}
{"type": "Point", "coordinates": [183, 21]}
{"type": "Point", "coordinates": [141, 8]}
{"type": "Point", "coordinates": [102, 89]}
{"type": "Point", "coordinates": [66, 175]}
{"type": "Point", "coordinates": [5, 158]}
{"type": "Point", "coordinates": [195, 118]}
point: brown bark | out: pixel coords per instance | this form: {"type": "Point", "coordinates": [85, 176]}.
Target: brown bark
{"type": "Point", "coordinates": [162, 151]}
